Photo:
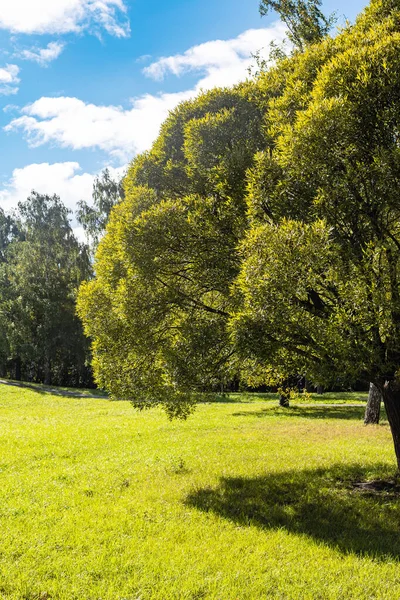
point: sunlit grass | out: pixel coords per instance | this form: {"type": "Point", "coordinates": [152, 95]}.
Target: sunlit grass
{"type": "Point", "coordinates": [243, 500]}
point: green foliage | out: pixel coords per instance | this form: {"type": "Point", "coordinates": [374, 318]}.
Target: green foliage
{"type": "Point", "coordinates": [335, 159]}
{"type": "Point", "coordinates": [42, 271]}
{"type": "Point", "coordinates": [303, 307]}
{"type": "Point", "coordinates": [200, 145]}
{"type": "Point", "coordinates": [9, 231]}
{"type": "Point", "coordinates": [93, 217]}
{"type": "Point", "coordinates": [303, 18]}
{"type": "Point", "coordinates": [154, 308]}
{"type": "Point", "coordinates": [159, 305]}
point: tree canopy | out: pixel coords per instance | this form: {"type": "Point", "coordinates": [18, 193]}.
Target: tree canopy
{"type": "Point", "coordinates": [319, 284]}
{"type": "Point", "coordinates": [159, 305]}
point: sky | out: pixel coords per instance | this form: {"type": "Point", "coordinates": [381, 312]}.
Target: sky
{"type": "Point", "coordinates": [86, 84]}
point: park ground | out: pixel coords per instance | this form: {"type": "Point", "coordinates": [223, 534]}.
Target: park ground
{"type": "Point", "coordinates": [244, 500]}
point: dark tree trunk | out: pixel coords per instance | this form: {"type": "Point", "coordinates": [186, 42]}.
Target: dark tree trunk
{"type": "Point", "coordinates": [391, 399]}
{"type": "Point", "coordinates": [284, 400]}
{"type": "Point", "coordinates": [320, 390]}
{"type": "Point", "coordinates": [373, 408]}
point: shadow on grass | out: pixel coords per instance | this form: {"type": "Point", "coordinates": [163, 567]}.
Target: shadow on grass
{"type": "Point", "coordinates": [54, 391]}
{"type": "Point", "coordinates": [345, 396]}
{"type": "Point", "coordinates": [326, 398]}
{"type": "Point", "coordinates": [322, 504]}
{"type": "Point", "coordinates": [308, 412]}
{"type": "Point", "coordinates": [238, 398]}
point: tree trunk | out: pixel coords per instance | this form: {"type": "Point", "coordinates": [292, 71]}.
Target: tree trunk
{"type": "Point", "coordinates": [320, 390]}
{"type": "Point", "coordinates": [373, 408]}
{"type": "Point", "coordinates": [391, 399]}
{"type": "Point", "coordinates": [284, 400]}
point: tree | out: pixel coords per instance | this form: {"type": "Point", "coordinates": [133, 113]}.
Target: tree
{"type": "Point", "coordinates": [319, 287]}
{"type": "Point", "coordinates": [43, 270]}
{"type": "Point", "coordinates": [158, 307]}
{"type": "Point", "coordinates": [107, 192]}
{"type": "Point", "coordinates": [305, 21]}
{"type": "Point", "coordinates": [9, 232]}
{"type": "Point", "coordinates": [373, 408]}
{"type": "Point", "coordinates": [193, 287]}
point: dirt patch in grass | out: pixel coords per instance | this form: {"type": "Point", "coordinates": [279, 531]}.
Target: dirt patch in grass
{"type": "Point", "coordinates": [378, 486]}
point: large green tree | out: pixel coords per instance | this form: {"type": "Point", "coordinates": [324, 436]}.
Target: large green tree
{"type": "Point", "coordinates": [312, 149]}
{"type": "Point", "coordinates": [158, 307]}
{"type": "Point", "coordinates": [173, 242]}
{"type": "Point", "coordinates": [319, 286]}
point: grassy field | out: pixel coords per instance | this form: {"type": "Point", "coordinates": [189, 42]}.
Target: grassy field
{"type": "Point", "coordinates": [243, 500]}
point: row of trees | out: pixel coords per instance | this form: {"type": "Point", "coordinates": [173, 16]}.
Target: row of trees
{"type": "Point", "coordinates": [42, 265]}
{"type": "Point", "coordinates": [260, 236]}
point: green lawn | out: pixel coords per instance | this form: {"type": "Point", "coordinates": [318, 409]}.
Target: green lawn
{"type": "Point", "coordinates": [244, 500]}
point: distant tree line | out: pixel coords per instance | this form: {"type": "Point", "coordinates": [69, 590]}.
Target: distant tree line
{"type": "Point", "coordinates": [42, 265]}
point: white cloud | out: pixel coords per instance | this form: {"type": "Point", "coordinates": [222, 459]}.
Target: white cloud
{"type": "Point", "coordinates": [43, 56]}
{"type": "Point", "coordinates": [72, 123]}
{"type": "Point", "coordinates": [227, 59]}
{"type": "Point", "coordinates": [63, 16]}
{"type": "Point", "coordinates": [63, 179]}
{"type": "Point", "coordinates": [9, 80]}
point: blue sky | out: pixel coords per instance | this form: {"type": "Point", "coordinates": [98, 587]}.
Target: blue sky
{"type": "Point", "coordinates": [85, 84]}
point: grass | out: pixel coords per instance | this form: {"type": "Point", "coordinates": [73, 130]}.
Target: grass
{"type": "Point", "coordinates": [244, 500]}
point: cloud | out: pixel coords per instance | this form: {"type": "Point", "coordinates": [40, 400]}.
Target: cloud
{"type": "Point", "coordinates": [43, 56]}
{"type": "Point", "coordinates": [124, 132]}
{"type": "Point", "coordinates": [9, 80]}
{"type": "Point", "coordinates": [71, 123]}
{"type": "Point", "coordinates": [63, 179]}
{"type": "Point", "coordinates": [226, 58]}
{"type": "Point", "coordinates": [64, 16]}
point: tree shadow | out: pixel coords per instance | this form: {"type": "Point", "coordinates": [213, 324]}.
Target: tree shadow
{"type": "Point", "coordinates": [53, 391]}
{"type": "Point", "coordinates": [307, 412]}
{"type": "Point", "coordinates": [345, 396]}
{"type": "Point", "coordinates": [322, 504]}
{"type": "Point", "coordinates": [238, 397]}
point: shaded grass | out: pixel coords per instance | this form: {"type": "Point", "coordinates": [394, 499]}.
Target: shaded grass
{"type": "Point", "coordinates": [326, 398]}
{"type": "Point", "coordinates": [41, 388]}
{"type": "Point", "coordinates": [98, 501]}
{"type": "Point", "coordinates": [321, 503]}
{"type": "Point", "coordinates": [308, 412]}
